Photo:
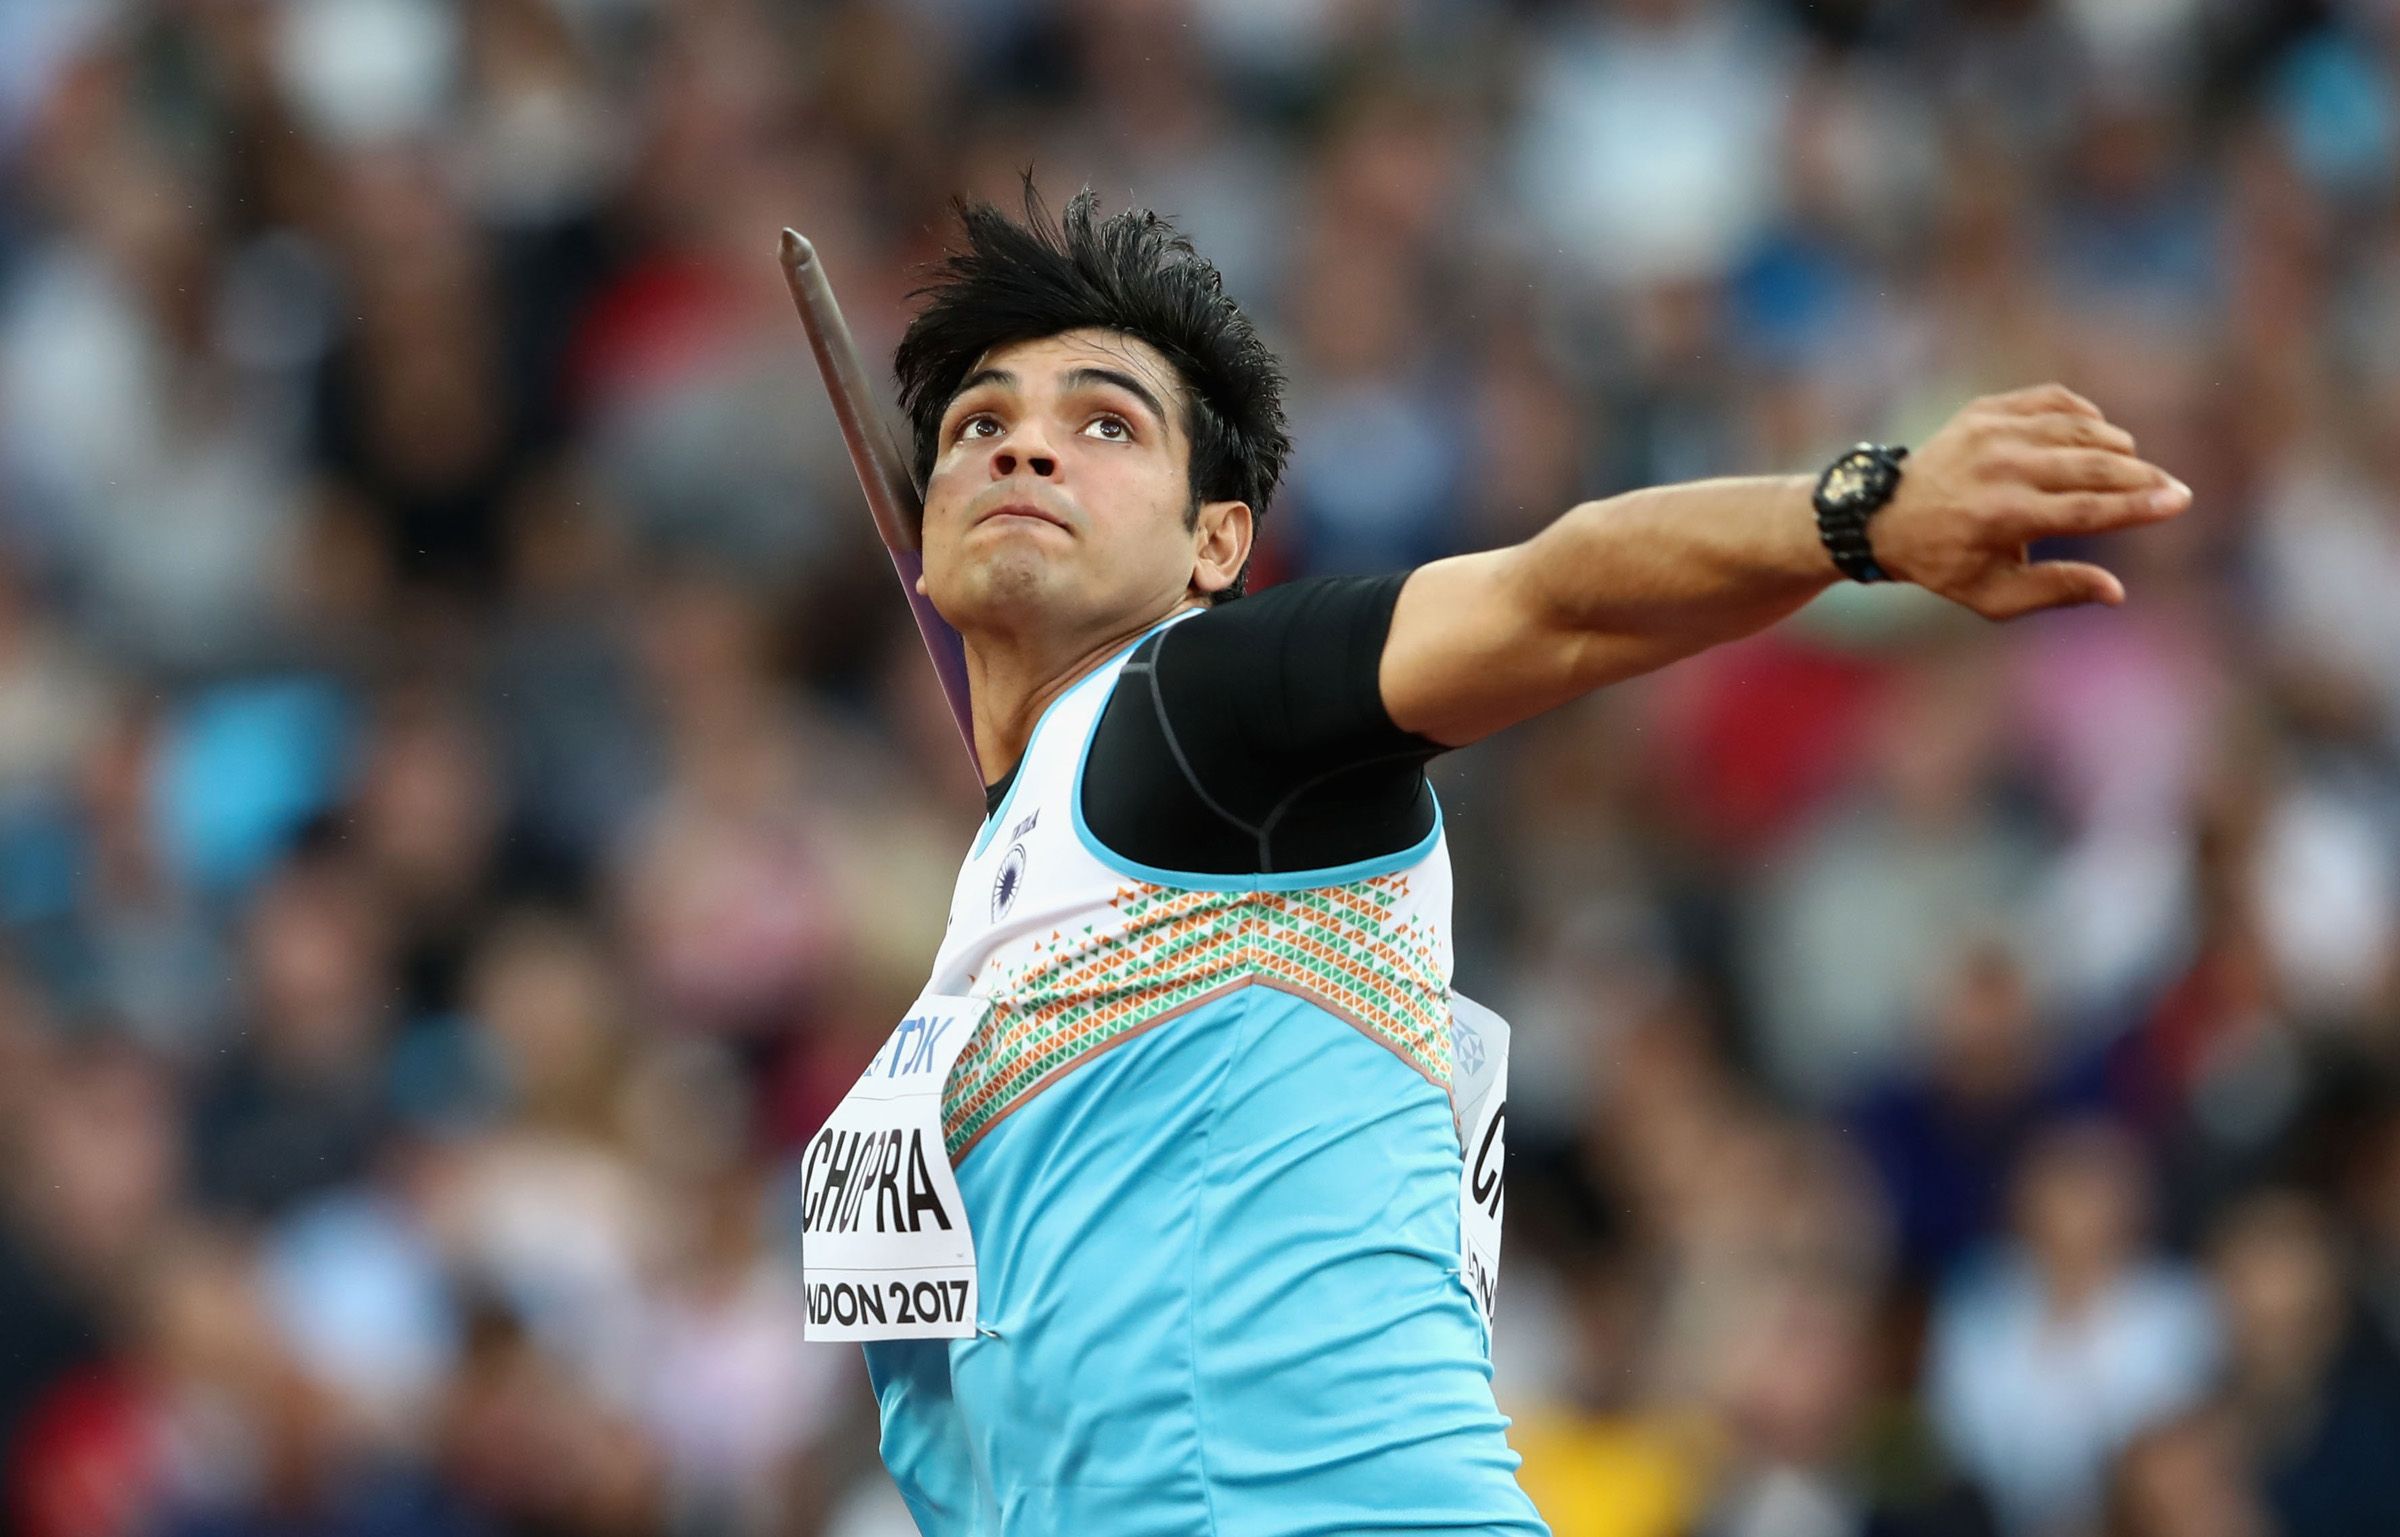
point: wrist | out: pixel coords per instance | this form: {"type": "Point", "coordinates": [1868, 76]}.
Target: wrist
{"type": "Point", "coordinates": [1801, 552]}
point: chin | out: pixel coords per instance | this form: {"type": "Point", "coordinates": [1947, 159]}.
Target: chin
{"type": "Point", "coordinates": [1000, 590]}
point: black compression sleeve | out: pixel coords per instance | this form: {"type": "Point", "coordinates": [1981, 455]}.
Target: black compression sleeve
{"type": "Point", "coordinates": [1253, 738]}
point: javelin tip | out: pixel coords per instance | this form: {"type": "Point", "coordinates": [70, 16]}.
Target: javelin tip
{"type": "Point", "coordinates": [797, 252]}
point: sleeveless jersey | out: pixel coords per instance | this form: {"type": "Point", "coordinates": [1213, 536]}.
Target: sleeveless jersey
{"type": "Point", "coordinates": [1204, 1138]}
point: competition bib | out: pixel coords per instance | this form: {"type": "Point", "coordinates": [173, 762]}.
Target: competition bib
{"type": "Point", "coordinates": [885, 1253]}
{"type": "Point", "coordinates": [1479, 1093]}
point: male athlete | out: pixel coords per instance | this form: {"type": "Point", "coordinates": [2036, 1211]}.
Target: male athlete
{"type": "Point", "coordinates": [1196, 980]}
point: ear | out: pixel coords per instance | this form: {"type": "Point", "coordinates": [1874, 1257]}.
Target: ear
{"type": "Point", "coordinates": [1223, 532]}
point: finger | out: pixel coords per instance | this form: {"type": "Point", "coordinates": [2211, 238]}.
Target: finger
{"type": "Point", "coordinates": [2062, 429]}
{"type": "Point", "coordinates": [2066, 515]}
{"type": "Point", "coordinates": [2048, 584]}
{"type": "Point", "coordinates": [2046, 399]}
{"type": "Point", "coordinates": [2078, 469]}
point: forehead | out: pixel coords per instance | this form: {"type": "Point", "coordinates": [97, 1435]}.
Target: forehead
{"type": "Point", "coordinates": [1048, 357]}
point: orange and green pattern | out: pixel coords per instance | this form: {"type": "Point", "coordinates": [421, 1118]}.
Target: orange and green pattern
{"type": "Point", "coordinates": [1356, 950]}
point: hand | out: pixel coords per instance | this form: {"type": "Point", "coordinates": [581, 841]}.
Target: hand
{"type": "Point", "coordinates": [2007, 470]}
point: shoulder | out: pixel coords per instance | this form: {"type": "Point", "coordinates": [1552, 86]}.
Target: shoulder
{"type": "Point", "coordinates": [1297, 646]}
{"type": "Point", "coordinates": [1291, 609]}
{"type": "Point", "coordinates": [1261, 714]}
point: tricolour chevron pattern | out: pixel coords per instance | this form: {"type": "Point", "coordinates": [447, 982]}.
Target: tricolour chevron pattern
{"type": "Point", "coordinates": [1344, 947]}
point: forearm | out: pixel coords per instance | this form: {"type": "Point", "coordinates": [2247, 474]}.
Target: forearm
{"type": "Point", "coordinates": [1676, 569]}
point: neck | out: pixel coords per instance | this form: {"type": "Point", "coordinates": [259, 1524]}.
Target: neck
{"type": "Point", "coordinates": [1013, 678]}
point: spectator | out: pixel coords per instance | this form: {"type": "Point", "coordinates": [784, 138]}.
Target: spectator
{"type": "Point", "coordinates": [1945, 1136]}
{"type": "Point", "coordinates": [2314, 1396]}
{"type": "Point", "coordinates": [2071, 1340]}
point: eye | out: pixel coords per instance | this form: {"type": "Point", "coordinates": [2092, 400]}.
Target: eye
{"type": "Point", "coordinates": [1110, 428]}
{"type": "Point", "coordinates": [970, 428]}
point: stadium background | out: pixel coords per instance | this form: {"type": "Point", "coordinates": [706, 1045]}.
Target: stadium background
{"type": "Point", "coordinates": [469, 791]}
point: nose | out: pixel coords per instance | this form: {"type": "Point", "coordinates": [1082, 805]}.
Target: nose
{"type": "Point", "coordinates": [1024, 450]}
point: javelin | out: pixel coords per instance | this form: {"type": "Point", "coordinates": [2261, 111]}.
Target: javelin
{"type": "Point", "coordinates": [891, 495]}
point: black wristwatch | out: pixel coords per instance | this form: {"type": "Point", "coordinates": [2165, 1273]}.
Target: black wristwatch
{"type": "Point", "coordinates": [1852, 489]}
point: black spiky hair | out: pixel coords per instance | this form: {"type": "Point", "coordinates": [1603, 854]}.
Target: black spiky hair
{"type": "Point", "coordinates": [1130, 272]}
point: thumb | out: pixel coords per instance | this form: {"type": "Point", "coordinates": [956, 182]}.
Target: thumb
{"type": "Point", "coordinates": [2051, 584]}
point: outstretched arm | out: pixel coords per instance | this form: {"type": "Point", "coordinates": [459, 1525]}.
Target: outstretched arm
{"type": "Point", "coordinates": [1617, 588]}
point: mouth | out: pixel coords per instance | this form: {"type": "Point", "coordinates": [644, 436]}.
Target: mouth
{"type": "Point", "coordinates": [1025, 511]}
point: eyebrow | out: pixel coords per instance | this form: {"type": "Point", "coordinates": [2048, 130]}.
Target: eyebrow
{"type": "Point", "coordinates": [983, 376]}
{"type": "Point", "coordinates": [1076, 378]}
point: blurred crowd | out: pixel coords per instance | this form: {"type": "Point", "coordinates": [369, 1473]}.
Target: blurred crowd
{"type": "Point", "coordinates": [470, 793]}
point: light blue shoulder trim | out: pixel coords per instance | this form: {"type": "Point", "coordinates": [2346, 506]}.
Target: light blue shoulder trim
{"type": "Point", "coordinates": [983, 838]}
{"type": "Point", "coordinates": [1197, 880]}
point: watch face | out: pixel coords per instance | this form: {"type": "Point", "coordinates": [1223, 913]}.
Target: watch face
{"type": "Point", "coordinates": [1846, 481]}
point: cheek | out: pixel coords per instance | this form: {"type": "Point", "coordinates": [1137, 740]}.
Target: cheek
{"type": "Point", "coordinates": [946, 494]}
{"type": "Point", "coordinates": [1146, 497]}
